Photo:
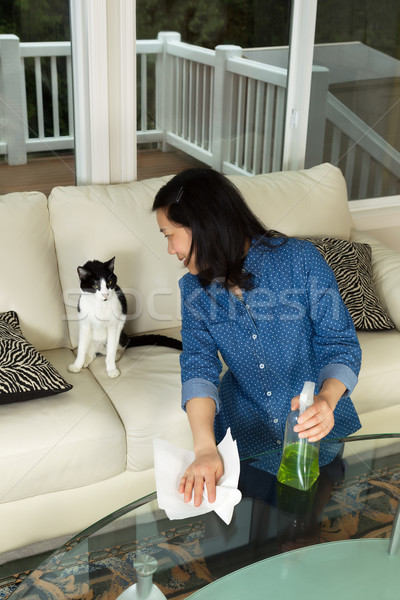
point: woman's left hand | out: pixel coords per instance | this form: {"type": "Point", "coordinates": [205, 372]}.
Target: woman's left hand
{"type": "Point", "coordinates": [318, 420]}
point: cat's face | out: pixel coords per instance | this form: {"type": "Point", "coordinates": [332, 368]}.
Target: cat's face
{"type": "Point", "coordinates": [98, 278]}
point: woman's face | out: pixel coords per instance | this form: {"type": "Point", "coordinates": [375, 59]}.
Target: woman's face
{"type": "Point", "coordinates": [179, 240]}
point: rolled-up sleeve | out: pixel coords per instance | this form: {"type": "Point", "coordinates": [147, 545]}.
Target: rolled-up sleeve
{"type": "Point", "coordinates": [199, 388]}
{"type": "Point", "coordinates": [341, 372]}
{"type": "Point", "coordinates": [200, 364]}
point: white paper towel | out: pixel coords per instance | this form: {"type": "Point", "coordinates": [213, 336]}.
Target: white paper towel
{"type": "Point", "coordinates": [171, 462]}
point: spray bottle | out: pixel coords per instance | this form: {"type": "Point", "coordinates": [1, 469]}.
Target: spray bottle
{"type": "Point", "coordinates": [299, 466]}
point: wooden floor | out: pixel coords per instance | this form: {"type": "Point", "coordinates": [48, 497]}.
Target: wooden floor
{"type": "Point", "coordinates": [42, 174]}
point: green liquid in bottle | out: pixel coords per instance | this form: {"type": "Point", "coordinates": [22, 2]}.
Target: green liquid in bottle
{"type": "Point", "coordinates": [299, 465]}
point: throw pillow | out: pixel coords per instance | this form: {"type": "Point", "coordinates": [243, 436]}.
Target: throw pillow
{"type": "Point", "coordinates": [351, 263]}
{"type": "Point", "coordinates": [24, 373]}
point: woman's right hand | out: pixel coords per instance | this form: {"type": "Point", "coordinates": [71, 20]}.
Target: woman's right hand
{"type": "Point", "coordinates": [207, 469]}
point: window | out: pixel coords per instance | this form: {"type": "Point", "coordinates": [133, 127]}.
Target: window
{"type": "Point", "coordinates": [201, 95]}
{"type": "Point", "coordinates": [355, 97]}
{"type": "Point", "coordinates": [37, 129]}
{"type": "Point", "coordinates": [236, 109]}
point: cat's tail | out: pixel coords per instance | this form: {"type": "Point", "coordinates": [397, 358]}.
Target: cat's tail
{"type": "Point", "coordinates": [153, 340]}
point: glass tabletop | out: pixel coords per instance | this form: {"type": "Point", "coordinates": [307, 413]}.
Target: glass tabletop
{"type": "Point", "coordinates": [137, 552]}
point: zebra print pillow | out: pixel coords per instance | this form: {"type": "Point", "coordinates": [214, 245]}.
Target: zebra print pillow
{"type": "Point", "coordinates": [352, 266]}
{"type": "Point", "coordinates": [24, 373]}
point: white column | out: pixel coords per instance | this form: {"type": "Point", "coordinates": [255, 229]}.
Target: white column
{"type": "Point", "coordinates": [304, 15]}
{"type": "Point", "coordinates": [122, 89]}
{"type": "Point", "coordinates": [103, 56]}
{"type": "Point", "coordinates": [12, 100]}
{"type": "Point", "coordinates": [88, 35]}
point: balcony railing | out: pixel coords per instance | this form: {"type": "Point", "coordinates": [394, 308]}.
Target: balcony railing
{"type": "Point", "coordinates": [224, 110]}
{"type": "Point", "coordinates": [29, 69]}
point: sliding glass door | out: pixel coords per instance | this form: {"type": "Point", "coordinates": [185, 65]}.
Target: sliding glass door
{"type": "Point", "coordinates": [355, 103]}
{"type": "Point", "coordinates": [36, 106]}
{"type": "Point", "coordinates": [214, 91]}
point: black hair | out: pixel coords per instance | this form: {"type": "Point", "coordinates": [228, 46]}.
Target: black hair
{"type": "Point", "coordinates": [220, 221]}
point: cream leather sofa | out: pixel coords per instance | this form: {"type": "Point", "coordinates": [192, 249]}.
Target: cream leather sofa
{"type": "Point", "coordinates": [69, 459]}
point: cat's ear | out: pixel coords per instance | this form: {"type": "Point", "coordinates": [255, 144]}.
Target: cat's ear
{"type": "Point", "coordinates": [82, 272]}
{"type": "Point", "coordinates": [110, 264]}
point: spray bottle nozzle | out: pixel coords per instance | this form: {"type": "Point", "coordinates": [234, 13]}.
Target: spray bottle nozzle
{"type": "Point", "coordinates": [306, 396]}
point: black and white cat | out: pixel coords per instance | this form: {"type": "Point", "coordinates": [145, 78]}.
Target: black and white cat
{"type": "Point", "coordinates": [102, 307]}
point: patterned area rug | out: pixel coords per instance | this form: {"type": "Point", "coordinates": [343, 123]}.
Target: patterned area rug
{"type": "Point", "coordinates": [366, 506]}
{"type": "Point", "coordinates": [177, 550]}
{"type": "Point", "coordinates": [359, 507]}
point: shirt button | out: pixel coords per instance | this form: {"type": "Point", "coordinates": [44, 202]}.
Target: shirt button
{"type": "Point", "coordinates": [262, 366]}
{"type": "Point", "coordinates": [247, 306]}
{"type": "Point", "coordinates": [269, 393]}
{"type": "Point", "coordinates": [278, 442]}
{"type": "Point", "coordinates": [254, 336]}
{"type": "Point", "coordinates": [276, 420]}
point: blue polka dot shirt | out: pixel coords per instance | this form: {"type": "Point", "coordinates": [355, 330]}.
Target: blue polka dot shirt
{"type": "Point", "coordinates": [291, 327]}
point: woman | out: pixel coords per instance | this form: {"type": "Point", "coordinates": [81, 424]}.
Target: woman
{"type": "Point", "coordinates": [270, 306]}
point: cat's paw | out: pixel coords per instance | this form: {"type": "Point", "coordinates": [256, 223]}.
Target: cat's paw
{"type": "Point", "coordinates": [113, 373]}
{"type": "Point", "coordinates": [74, 368]}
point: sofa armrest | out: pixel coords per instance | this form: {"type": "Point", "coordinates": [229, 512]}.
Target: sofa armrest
{"type": "Point", "coordinates": [386, 273]}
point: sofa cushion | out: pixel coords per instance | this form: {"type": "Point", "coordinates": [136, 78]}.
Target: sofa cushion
{"type": "Point", "coordinates": [96, 222]}
{"type": "Point", "coordinates": [308, 203]}
{"type": "Point", "coordinates": [352, 266]}
{"type": "Point", "coordinates": [379, 380]}
{"type": "Point", "coordinates": [30, 283]}
{"type": "Point", "coordinates": [25, 373]}
{"type": "Point", "coordinates": [386, 272]}
{"type": "Point", "coordinates": [147, 396]}
{"type": "Point", "coordinates": [51, 444]}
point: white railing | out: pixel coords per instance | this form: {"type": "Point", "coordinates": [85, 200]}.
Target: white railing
{"type": "Point", "coordinates": [149, 118]}
{"type": "Point", "coordinates": [256, 113]}
{"type": "Point", "coordinates": [371, 166]}
{"type": "Point", "coordinates": [222, 109]}
{"type": "Point", "coordinates": [28, 60]}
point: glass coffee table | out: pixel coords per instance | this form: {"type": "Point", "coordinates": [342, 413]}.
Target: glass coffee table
{"type": "Point", "coordinates": [339, 539]}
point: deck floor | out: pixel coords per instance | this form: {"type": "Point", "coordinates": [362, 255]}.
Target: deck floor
{"type": "Point", "coordinates": [42, 174]}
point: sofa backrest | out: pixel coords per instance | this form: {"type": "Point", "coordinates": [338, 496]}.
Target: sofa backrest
{"type": "Point", "coordinates": [306, 203]}
{"type": "Point", "coordinates": [29, 278]}
{"type": "Point", "coordinates": [102, 221]}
